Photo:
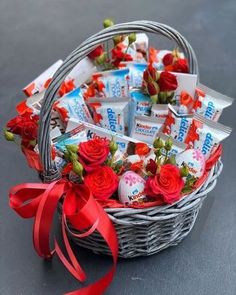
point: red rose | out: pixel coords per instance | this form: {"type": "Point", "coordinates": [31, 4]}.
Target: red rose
{"type": "Point", "coordinates": [181, 66]}
{"type": "Point", "coordinates": [168, 59]}
{"type": "Point", "coordinates": [25, 125]}
{"type": "Point", "coordinates": [151, 166]}
{"type": "Point", "coordinates": [167, 81]}
{"type": "Point", "coordinates": [96, 52]}
{"type": "Point", "coordinates": [102, 182]}
{"type": "Point", "coordinates": [168, 184]}
{"type": "Point", "coordinates": [93, 153]}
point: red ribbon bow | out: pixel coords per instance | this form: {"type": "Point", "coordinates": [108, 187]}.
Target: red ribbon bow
{"type": "Point", "coordinates": [80, 209]}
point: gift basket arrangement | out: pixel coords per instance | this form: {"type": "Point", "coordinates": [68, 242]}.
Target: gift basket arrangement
{"type": "Point", "coordinates": [126, 141]}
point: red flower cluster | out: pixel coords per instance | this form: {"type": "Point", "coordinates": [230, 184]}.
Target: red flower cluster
{"type": "Point", "coordinates": [175, 64]}
{"type": "Point", "coordinates": [154, 83]}
{"type": "Point", "coordinates": [25, 125]}
{"type": "Point", "coordinates": [118, 56]}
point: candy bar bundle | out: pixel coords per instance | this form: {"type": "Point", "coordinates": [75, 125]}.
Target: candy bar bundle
{"type": "Point", "coordinates": [130, 127]}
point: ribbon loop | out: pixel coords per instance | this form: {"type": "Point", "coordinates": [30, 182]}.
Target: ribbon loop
{"type": "Point", "coordinates": [80, 209]}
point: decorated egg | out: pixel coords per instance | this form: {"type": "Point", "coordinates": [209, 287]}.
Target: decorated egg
{"type": "Point", "coordinates": [131, 188]}
{"type": "Point", "coordinates": [150, 156]}
{"type": "Point", "coordinates": [194, 159]}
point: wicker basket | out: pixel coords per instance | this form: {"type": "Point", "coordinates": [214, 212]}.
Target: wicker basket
{"type": "Point", "coordinates": [140, 231]}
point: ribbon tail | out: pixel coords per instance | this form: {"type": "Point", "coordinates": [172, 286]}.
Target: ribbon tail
{"type": "Point", "coordinates": [107, 231]}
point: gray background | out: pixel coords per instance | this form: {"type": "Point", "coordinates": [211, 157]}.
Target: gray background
{"type": "Point", "coordinates": [34, 34]}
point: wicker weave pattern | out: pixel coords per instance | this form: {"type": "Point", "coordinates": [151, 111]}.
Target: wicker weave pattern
{"type": "Point", "coordinates": [143, 232]}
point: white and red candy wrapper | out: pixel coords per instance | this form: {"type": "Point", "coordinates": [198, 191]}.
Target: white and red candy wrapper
{"type": "Point", "coordinates": [41, 82]}
{"type": "Point", "coordinates": [78, 76]}
{"type": "Point", "coordinates": [72, 105]}
{"type": "Point", "coordinates": [159, 110]}
{"type": "Point", "coordinates": [146, 128]}
{"type": "Point", "coordinates": [110, 113]}
{"type": "Point", "coordinates": [210, 103]}
{"type": "Point", "coordinates": [205, 134]}
{"type": "Point", "coordinates": [177, 125]}
{"type": "Point", "coordinates": [113, 83]}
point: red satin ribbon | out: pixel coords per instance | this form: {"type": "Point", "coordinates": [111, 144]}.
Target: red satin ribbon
{"type": "Point", "coordinates": [80, 209]}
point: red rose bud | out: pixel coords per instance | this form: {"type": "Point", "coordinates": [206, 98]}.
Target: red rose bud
{"type": "Point", "coordinates": [117, 39]}
{"type": "Point", "coordinates": [151, 167]}
{"type": "Point", "coordinates": [153, 88]}
{"type": "Point", "coordinates": [168, 59]}
{"type": "Point", "coordinates": [102, 58]}
{"type": "Point", "coordinates": [167, 81]}
{"type": "Point", "coordinates": [181, 66]}
{"type": "Point", "coordinates": [96, 52]}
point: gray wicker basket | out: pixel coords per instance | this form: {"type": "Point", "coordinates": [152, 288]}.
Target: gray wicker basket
{"type": "Point", "coordinates": [140, 231]}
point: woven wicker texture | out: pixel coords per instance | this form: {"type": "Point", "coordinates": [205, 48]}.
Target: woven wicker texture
{"type": "Point", "coordinates": [140, 232]}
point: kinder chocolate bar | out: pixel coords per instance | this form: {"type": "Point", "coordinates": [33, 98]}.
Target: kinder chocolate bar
{"type": "Point", "coordinates": [159, 110]}
{"type": "Point", "coordinates": [112, 83]}
{"type": "Point", "coordinates": [135, 73]}
{"type": "Point", "coordinates": [111, 113]}
{"type": "Point", "coordinates": [210, 103]}
{"type": "Point", "coordinates": [146, 128]}
{"type": "Point", "coordinates": [205, 134]}
{"type": "Point", "coordinates": [40, 83]}
{"type": "Point", "coordinates": [126, 144]}
{"type": "Point", "coordinates": [140, 104]}
{"type": "Point", "coordinates": [72, 105]}
{"type": "Point", "coordinates": [177, 125]}
{"type": "Point", "coordinates": [74, 136]}
{"type": "Point", "coordinates": [177, 147]}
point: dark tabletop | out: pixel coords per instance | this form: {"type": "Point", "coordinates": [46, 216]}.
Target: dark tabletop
{"type": "Point", "coordinates": [34, 34]}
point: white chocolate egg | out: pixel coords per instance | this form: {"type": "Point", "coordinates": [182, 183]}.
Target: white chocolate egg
{"type": "Point", "coordinates": [194, 159]}
{"type": "Point", "coordinates": [131, 188]}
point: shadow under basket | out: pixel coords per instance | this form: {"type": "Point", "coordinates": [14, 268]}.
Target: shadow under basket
{"type": "Point", "coordinates": [143, 232]}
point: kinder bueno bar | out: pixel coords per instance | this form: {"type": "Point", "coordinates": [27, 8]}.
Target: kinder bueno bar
{"type": "Point", "coordinates": [146, 128]}
{"type": "Point", "coordinates": [113, 83]}
{"type": "Point", "coordinates": [135, 73]}
{"type": "Point", "coordinates": [111, 113]}
{"type": "Point", "coordinates": [125, 143]}
{"type": "Point", "coordinates": [72, 105]}
{"type": "Point", "coordinates": [177, 125]}
{"type": "Point", "coordinates": [32, 103]}
{"type": "Point", "coordinates": [210, 103]}
{"type": "Point", "coordinates": [159, 110]}
{"type": "Point", "coordinates": [177, 147]}
{"type": "Point", "coordinates": [81, 73]}
{"type": "Point", "coordinates": [205, 134]}
{"type": "Point", "coordinates": [40, 83]}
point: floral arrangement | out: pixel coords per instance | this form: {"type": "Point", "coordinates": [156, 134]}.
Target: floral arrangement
{"type": "Point", "coordinates": [131, 129]}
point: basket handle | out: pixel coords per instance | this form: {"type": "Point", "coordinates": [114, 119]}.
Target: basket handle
{"type": "Point", "coordinates": [50, 172]}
